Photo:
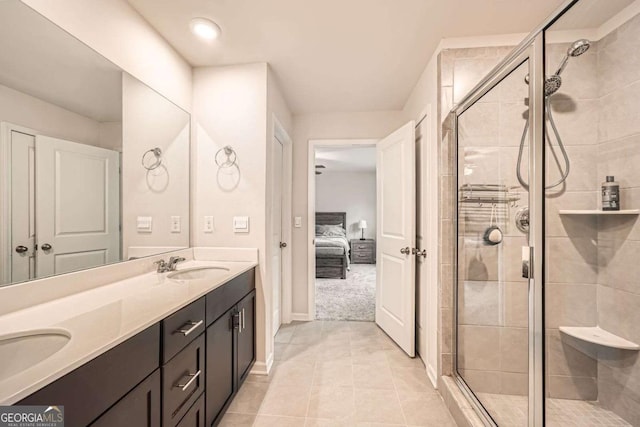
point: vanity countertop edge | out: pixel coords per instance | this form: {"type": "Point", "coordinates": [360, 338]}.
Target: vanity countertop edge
{"type": "Point", "coordinates": [114, 313]}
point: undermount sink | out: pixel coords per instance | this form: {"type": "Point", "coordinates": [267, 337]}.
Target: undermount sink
{"type": "Point", "coordinates": [198, 273]}
{"type": "Point", "coordinates": [22, 350]}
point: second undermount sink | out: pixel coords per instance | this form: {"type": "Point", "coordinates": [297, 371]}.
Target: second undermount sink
{"type": "Point", "coordinates": [198, 273]}
{"type": "Point", "coordinates": [22, 350]}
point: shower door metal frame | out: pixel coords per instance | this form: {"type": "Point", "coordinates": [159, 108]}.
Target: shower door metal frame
{"type": "Point", "coordinates": [533, 52]}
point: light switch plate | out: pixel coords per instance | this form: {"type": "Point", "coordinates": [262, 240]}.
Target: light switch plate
{"type": "Point", "coordinates": [241, 224]}
{"type": "Point", "coordinates": [297, 222]}
{"type": "Point", "coordinates": [208, 224]}
{"type": "Point", "coordinates": [144, 224]}
{"type": "Point", "coordinates": [175, 224]}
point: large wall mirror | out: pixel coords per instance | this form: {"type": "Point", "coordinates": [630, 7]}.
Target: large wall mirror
{"type": "Point", "coordinates": [94, 165]}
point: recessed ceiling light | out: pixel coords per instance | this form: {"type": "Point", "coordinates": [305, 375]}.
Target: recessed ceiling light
{"type": "Point", "coordinates": [205, 28]}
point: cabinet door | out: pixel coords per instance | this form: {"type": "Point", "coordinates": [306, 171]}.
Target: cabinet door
{"type": "Point", "coordinates": [246, 336]}
{"type": "Point", "coordinates": [140, 407]}
{"type": "Point", "coordinates": [219, 365]}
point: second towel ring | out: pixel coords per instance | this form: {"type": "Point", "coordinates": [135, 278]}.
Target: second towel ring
{"type": "Point", "coordinates": [231, 159]}
{"type": "Point", "coordinates": [157, 152]}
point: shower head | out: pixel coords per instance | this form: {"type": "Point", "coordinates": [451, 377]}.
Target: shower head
{"type": "Point", "coordinates": [551, 84]}
{"type": "Point", "coordinates": [576, 49]}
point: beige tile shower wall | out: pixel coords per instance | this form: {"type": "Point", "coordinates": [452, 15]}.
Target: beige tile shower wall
{"type": "Point", "coordinates": [458, 71]}
{"type": "Point", "coordinates": [571, 248]}
{"type": "Point", "coordinates": [618, 291]}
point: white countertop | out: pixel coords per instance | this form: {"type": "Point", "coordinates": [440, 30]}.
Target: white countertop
{"type": "Point", "coordinates": [100, 318]}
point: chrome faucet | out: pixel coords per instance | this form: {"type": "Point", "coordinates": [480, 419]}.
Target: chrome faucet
{"type": "Point", "coordinates": [164, 266]}
{"type": "Point", "coordinates": [173, 262]}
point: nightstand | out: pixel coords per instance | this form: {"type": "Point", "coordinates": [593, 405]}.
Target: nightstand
{"type": "Point", "coordinates": [363, 251]}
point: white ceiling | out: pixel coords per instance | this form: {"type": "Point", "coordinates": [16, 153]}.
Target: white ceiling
{"type": "Point", "coordinates": [41, 60]}
{"type": "Point", "coordinates": [338, 55]}
{"type": "Point", "coordinates": [346, 159]}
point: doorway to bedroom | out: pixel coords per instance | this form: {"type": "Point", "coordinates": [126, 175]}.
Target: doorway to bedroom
{"type": "Point", "coordinates": [345, 231]}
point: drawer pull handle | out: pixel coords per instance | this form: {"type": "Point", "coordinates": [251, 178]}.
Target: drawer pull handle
{"type": "Point", "coordinates": [186, 331]}
{"type": "Point", "coordinates": [186, 385]}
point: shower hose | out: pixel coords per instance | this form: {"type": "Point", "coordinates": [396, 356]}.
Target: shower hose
{"type": "Point", "coordinates": [565, 173]}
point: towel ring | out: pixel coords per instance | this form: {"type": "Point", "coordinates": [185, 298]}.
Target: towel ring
{"type": "Point", "coordinates": [231, 157]}
{"type": "Point", "coordinates": [157, 152]}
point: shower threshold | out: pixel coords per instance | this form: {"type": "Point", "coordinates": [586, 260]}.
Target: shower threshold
{"type": "Point", "coordinates": [509, 410]}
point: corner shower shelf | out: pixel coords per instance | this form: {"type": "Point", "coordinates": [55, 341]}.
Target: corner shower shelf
{"type": "Point", "coordinates": [599, 212]}
{"type": "Point", "coordinates": [597, 335]}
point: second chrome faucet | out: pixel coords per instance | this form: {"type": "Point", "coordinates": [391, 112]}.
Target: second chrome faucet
{"type": "Point", "coordinates": [165, 266]}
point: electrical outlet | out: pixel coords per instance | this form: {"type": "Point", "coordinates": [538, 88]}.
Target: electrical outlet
{"type": "Point", "coordinates": [175, 224]}
{"type": "Point", "coordinates": [208, 224]}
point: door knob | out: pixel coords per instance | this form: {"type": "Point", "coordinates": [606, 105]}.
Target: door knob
{"type": "Point", "coordinates": [46, 247]}
{"type": "Point", "coordinates": [283, 245]}
{"type": "Point", "coordinates": [21, 249]}
{"type": "Point", "coordinates": [419, 253]}
{"type": "Point", "coordinates": [405, 251]}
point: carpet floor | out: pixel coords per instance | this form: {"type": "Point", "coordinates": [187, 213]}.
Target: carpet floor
{"type": "Point", "coordinates": [353, 298]}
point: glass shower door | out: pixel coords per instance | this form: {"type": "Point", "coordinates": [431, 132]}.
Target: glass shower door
{"type": "Point", "coordinates": [492, 312]}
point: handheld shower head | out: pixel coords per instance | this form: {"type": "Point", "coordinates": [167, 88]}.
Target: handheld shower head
{"type": "Point", "coordinates": [551, 84]}
{"type": "Point", "coordinates": [576, 49]}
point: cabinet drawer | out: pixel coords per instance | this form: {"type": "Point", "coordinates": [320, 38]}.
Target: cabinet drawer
{"type": "Point", "coordinates": [195, 415]}
{"type": "Point", "coordinates": [362, 247]}
{"type": "Point", "coordinates": [363, 254]}
{"type": "Point", "coordinates": [181, 328]}
{"type": "Point", "coordinates": [183, 380]}
{"type": "Point", "coordinates": [226, 296]}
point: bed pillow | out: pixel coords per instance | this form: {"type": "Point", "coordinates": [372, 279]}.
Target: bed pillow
{"type": "Point", "coordinates": [331, 230]}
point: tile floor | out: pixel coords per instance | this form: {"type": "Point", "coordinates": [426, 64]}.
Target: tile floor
{"type": "Point", "coordinates": [511, 411]}
{"type": "Point", "coordinates": [337, 373]}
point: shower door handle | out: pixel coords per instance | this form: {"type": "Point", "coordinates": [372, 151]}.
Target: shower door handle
{"type": "Point", "coordinates": [527, 257]}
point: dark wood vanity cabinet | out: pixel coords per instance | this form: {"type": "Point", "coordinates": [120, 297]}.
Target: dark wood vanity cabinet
{"type": "Point", "coordinates": [172, 374]}
{"type": "Point", "coordinates": [230, 346]}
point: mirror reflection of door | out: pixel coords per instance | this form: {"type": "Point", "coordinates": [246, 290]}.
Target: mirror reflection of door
{"type": "Point", "coordinates": [77, 206]}
{"type": "Point", "coordinates": [65, 206]}
{"type": "Point", "coordinates": [23, 197]}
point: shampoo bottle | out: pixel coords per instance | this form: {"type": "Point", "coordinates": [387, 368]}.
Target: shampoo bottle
{"type": "Point", "coordinates": [610, 195]}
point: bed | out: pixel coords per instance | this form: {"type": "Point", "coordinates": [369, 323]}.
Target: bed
{"type": "Point", "coordinates": [332, 247]}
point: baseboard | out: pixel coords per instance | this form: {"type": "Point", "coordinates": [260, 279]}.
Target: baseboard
{"type": "Point", "coordinates": [300, 317]}
{"type": "Point", "coordinates": [263, 368]}
{"type": "Point", "coordinates": [431, 373]}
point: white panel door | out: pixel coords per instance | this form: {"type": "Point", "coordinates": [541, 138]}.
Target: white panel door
{"type": "Point", "coordinates": [78, 206]}
{"type": "Point", "coordinates": [396, 209]}
{"type": "Point", "coordinates": [276, 218]}
{"type": "Point", "coordinates": [23, 231]}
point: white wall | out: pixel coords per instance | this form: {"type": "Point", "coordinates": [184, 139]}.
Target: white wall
{"type": "Point", "coordinates": [350, 192]}
{"type": "Point", "coordinates": [48, 119]}
{"type": "Point", "coordinates": [354, 125]}
{"type": "Point", "coordinates": [234, 106]}
{"type": "Point", "coordinates": [150, 121]}
{"type": "Point", "coordinates": [116, 31]}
